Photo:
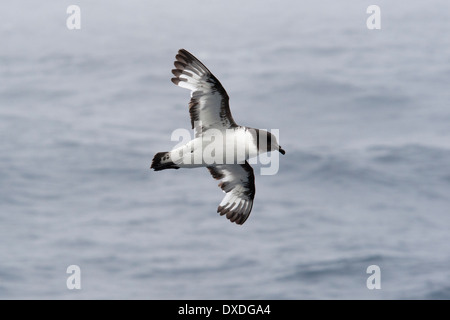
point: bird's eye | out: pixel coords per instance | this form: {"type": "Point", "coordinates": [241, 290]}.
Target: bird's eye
{"type": "Point", "coordinates": [269, 140]}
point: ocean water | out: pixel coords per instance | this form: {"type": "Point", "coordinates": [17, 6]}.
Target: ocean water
{"type": "Point", "coordinates": [363, 116]}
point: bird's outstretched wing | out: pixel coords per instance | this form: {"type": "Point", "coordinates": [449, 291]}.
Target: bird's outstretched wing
{"type": "Point", "coordinates": [209, 101]}
{"type": "Point", "coordinates": [238, 182]}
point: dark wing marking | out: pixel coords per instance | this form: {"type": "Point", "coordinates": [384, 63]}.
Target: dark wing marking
{"type": "Point", "coordinates": [238, 182]}
{"type": "Point", "coordinates": [209, 101]}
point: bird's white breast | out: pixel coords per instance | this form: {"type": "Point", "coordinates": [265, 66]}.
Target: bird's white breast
{"type": "Point", "coordinates": [230, 146]}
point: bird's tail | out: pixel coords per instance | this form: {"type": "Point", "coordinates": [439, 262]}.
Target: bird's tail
{"type": "Point", "coordinates": [162, 160]}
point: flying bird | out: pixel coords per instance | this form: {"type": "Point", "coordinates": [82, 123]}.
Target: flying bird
{"type": "Point", "coordinates": [212, 121]}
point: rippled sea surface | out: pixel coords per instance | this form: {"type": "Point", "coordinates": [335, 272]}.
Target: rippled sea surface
{"type": "Point", "coordinates": [364, 117]}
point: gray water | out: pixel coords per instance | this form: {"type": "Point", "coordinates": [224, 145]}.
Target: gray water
{"type": "Point", "coordinates": [363, 116]}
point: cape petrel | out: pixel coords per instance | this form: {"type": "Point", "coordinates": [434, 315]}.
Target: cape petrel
{"type": "Point", "coordinates": [212, 121]}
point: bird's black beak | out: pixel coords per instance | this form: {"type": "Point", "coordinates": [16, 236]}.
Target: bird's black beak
{"type": "Point", "coordinates": [281, 150]}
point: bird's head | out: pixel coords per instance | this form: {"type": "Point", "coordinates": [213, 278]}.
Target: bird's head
{"type": "Point", "coordinates": [272, 142]}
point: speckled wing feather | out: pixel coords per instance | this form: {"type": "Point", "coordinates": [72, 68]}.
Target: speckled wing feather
{"type": "Point", "coordinates": [238, 182]}
{"type": "Point", "coordinates": [208, 106]}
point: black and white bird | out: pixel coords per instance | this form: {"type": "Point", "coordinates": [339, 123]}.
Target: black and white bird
{"type": "Point", "coordinates": [231, 143]}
